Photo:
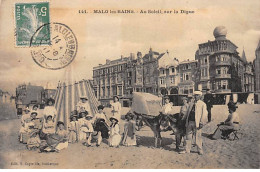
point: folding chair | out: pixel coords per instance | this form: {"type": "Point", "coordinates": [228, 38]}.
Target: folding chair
{"type": "Point", "coordinates": [234, 135]}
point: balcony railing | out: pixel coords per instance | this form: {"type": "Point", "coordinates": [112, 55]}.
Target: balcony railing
{"type": "Point", "coordinates": [220, 76]}
{"type": "Point", "coordinates": [223, 91]}
{"type": "Point", "coordinates": [220, 63]}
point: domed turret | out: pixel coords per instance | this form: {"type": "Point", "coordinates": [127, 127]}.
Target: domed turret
{"type": "Point", "coordinates": [220, 32]}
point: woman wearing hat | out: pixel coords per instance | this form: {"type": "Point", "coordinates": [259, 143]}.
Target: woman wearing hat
{"type": "Point", "coordinates": [63, 137]}
{"type": "Point", "coordinates": [115, 137]}
{"type": "Point", "coordinates": [58, 141]}
{"type": "Point", "coordinates": [230, 124]}
{"type": "Point", "coordinates": [167, 107]}
{"type": "Point", "coordinates": [27, 127]}
{"type": "Point", "coordinates": [83, 105]}
{"type": "Point", "coordinates": [100, 125]}
{"type": "Point", "coordinates": [116, 108]}
{"type": "Point", "coordinates": [26, 115]}
{"type": "Point", "coordinates": [88, 129]}
{"type": "Point", "coordinates": [49, 109]}
{"type": "Point", "coordinates": [81, 121]}
{"type": "Point", "coordinates": [73, 129]}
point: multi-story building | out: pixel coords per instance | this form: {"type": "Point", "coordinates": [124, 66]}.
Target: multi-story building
{"type": "Point", "coordinates": [168, 75]}
{"type": "Point", "coordinates": [256, 64]}
{"type": "Point", "coordinates": [109, 79]}
{"type": "Point", "coordinates": [123, 76]}
{"type": "Point", "coordinates": [249, 77]}
{"type": "Point", "coordinates": [188, 72]}
{"type": "Point", "coordinates": [257, 68]}
{"type": "Point", "coordinates": [218, 62]}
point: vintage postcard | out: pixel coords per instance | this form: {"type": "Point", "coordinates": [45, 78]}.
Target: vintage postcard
{"type": "Point", "coordinates": [156, 84]}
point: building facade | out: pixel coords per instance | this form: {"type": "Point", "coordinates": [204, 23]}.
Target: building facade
{"type": "Point", "coordinates": [257, 68]}
{"type": "Point", "coordinates": [123, 76]}
{"type": "Point", "coordinates": [110, 79]}
{"type": "Point", "coordinates": [220, 66]}
{"type": "Point", "coordinates": [155, 73]}
{"type": "Point", "coordinates": [189, 73]}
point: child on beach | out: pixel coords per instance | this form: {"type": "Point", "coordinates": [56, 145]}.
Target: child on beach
{"type": "Point", "coordinates": [81, 121]}
{"type": "Point", "coordinates": [73, 129]}
{"type": "Point", "coordinates": [129, 138]}
{"type": "Point", "coordinates": [48, 125]}
{"type": "Point", "coordinates": [115, 137]}
{"type": "Point", "coordinates": [87, 128]}
{"type": "Point", "coordinates": [34, 141]}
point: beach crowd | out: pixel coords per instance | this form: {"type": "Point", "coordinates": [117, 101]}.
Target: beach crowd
{"type": "Point", "coordinates": [46, 133]}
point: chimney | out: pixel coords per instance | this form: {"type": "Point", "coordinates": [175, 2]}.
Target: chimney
{"type": "Point", "coordinates": [108, 61]}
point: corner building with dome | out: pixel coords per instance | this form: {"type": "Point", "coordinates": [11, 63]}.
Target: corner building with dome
{"type": "Point", "coordinates": [221, 68]}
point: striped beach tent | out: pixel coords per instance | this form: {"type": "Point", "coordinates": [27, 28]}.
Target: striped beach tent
{"type": "Point", "coordinates": [68, 95]}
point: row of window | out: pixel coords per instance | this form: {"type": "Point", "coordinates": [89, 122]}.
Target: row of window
{"type": "Point", "coordinates": [222, 58]}
{"type": "Point", "coordinates": [186, 90]}
{"type": "Point", "coordinates": [212, 47]}
{"type": "Point", "coordinates": [172, 80]}
{"type": "Point", "coordinates": [106, 91]}
{"type": "Point", "coordinates": [109, 70]}
{"type": "Point", "coordinates": [223, 70]}
{"type": "Point", "coordinates": [222, 84]}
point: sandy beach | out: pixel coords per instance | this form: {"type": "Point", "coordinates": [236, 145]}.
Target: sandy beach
{"type": "Point", "coordinates": [218, 154]}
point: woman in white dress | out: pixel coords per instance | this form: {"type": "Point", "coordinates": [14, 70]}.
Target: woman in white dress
{"type": "Point", "coordinates": [115, 137]}
{"type": "Point", "coordinates": [116, 108]}
{"type": "Point", "coordinates": [81, 122]}
{"type": "Point", "coordinates": [49, 109]}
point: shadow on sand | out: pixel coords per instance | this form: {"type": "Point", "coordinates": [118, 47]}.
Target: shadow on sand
{"type": "Point", "coordinates": [146, 141]}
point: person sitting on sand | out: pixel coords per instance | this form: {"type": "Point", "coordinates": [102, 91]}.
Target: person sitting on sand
{"type": "Point", "coordinates": [48, 126]}
{"type": "Point", "coordinates": [114, 137]}
{"type": "Point", "coordinates": [81, 121]}
{"type": "Point", "coordinates": [58, 141]}
{"type": "Point", "coordinates": [26, 115]}
{"type": "Point", "coordinates": [230, 124]}
{"type": "Point", "coordinates": [88, 129]}
{"type": "Point", "coordinates": [34, 141]}
{"type": "Point", "coordinates": [28, 126]}
{"type": "Point", "coordinates": [129, 138]}
{"type": "Point", "coordinates": [73, 129]}
{"type": "Point", "coordinates": [100, 124]}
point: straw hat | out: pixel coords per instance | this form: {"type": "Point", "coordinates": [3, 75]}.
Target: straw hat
{"type": "Point", "coordinates": [197, 93]}
{"type": "Point", "coordinates": [27, 109]}
{"type": "Point", "coordinates": [84, 97]}
{"type": "Point", "coordinates": [111, 118]}
{"type": "Point", "coordinates": [60, 122]}
{"type": "Point", "coordinates": [34, 112]}
{"type": "Point", "coordinates": [100, 107]}
{"type": "Point", "coordinates": [89, 116]}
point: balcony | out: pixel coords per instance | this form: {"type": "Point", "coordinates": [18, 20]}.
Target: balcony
{"type": "Point", "coordinates": [223, 76]}
{"type": "Point", "coordinates": [222, 63]}
{"type": "Point", "coordinates": [223, 91]}
{"type": "Point", "coordinates": [162, 85]}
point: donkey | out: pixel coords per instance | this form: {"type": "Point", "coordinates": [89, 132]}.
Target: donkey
{"type": "Point", "coordinates": [156, 123]}
{"type": "Point", "coordinates": [162, 123]}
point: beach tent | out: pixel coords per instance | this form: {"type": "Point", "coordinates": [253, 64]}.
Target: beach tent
{"type": "Point", "coordinates": [146, 103]}
{"type": "Point", "coordinates": [68, 95]}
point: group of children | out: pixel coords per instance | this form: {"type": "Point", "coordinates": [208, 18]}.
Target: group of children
{"type": "Point", "coordinates": [48, 134]}
{"type": "Point", "coordinates": [86, 127]}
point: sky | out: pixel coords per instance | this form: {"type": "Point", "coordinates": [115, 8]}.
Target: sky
{"type": "Point", "coordinates": [108, 36]}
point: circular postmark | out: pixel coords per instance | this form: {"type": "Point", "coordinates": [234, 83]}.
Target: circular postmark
{"type": "Point", "coordinates": [54, 49]}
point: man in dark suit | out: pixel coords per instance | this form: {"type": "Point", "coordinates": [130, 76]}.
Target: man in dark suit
{"type": "Point", "coordinates": [209, 100]}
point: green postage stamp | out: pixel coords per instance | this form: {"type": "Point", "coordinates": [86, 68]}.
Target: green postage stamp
{"type": "Point", "coordinates": [29, 18]}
